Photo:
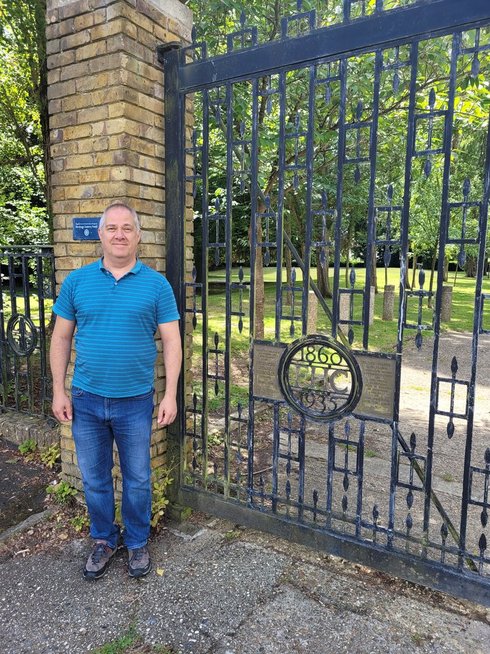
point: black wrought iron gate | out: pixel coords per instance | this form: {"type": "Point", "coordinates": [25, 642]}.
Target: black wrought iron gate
{"type": "Point", "coordinates": [28, 288]}
{"type": "Point", "coordinates": [333, 187]}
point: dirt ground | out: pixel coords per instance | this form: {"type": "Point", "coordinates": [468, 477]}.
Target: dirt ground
{"type": "Point", "coordinates": [23, 495]}
{"type": "Point", "coordinates": [22, 486]}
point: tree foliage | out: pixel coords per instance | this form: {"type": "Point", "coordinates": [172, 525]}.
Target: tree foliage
{"type": "Point", "coordinates": [24, 162]}
{"type": "Point", "coordinates": [214, 20]}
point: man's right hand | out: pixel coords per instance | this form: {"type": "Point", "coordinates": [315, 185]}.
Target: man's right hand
{"type": "Point", "coordinates": [59, 355]}
{"type": "Point", "coordinates": [62, 407]}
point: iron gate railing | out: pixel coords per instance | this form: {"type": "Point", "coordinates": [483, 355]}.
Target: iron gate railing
{"type": "Point", "coordinates": [28, 292]}
{"type": "Point", "coordinates": [363, 133]}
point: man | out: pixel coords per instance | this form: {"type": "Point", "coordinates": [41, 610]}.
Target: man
{"type": "Point", "coordinates": [116, 304]}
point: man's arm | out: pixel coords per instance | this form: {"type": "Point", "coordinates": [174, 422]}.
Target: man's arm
{"type": "Point", "coordinates": [59, 356]}
{"type": "Point", "coordinates": [172, 358]}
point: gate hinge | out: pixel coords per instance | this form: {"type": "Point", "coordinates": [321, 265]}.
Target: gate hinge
{"type": "Point", "coordinates": [163, 48]}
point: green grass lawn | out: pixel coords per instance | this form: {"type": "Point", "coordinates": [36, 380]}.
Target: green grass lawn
{"type": "Point", "coordinates": [21, 307]}
{"type": "Point", "coordinates": [382, 334]}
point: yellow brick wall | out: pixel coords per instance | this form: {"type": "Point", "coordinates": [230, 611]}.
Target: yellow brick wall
{"type": "Point", "coordinates": [106, 104]}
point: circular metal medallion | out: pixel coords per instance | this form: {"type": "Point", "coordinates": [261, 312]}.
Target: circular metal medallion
{"type": "Point", "coordinates": [320, 378]}
{"type": "Point", "coordinates": [21, 335]}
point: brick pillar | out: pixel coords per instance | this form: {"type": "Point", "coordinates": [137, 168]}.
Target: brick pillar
{"type": "Point", "coordinates": [106, 106]}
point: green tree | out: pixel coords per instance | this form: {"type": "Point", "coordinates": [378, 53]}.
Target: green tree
{"type": "Point", "coordinates": [24, 140]}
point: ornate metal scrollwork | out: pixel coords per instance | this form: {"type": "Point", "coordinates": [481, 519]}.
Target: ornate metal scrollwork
{"type": "Point", "coordinates": [21, 335]}
{"type": "Point", "coordinates": [320, 378]}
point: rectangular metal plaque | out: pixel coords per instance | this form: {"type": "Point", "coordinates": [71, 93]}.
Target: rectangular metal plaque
{"type": "Point", "coordinates": [86, 229]}
{"type": "Point", "coordinates": [378, 385]}
{"type": "Point", "coordinates": [378, 379]}
{"type": "Point", "coordinates": [265, 375]}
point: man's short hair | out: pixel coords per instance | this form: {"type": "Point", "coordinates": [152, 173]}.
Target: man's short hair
{"type": "Point", "coordinates": [120, 205]}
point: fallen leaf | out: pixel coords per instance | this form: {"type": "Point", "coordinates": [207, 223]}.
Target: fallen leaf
{"type": "Point", "coordinates": [160, 572]}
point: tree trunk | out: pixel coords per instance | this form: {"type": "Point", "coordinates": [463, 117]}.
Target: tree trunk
{"type": "Point", "coordinates": [414, 269]}
{"type": "Point", "coordinates": [374, 270]}
{"type": "Point", "coordinates": [347, 245]}
{"type": "Point", "coordinates": [455, 275]}
{"type": "Point", "coordinates": [446, 268]}
{"type": "Point", "coordinates": [322, 274]}
{"type": "Point", "coordinates": [406, 281]}
{"type": "Point", "coordinates": [259, 280]}
{"type": "Point", "coordinates": [470, 266]}
{"type": "Point", "coordinates": [432, 272]}
{"type": "Point", "coordinates": [288, 260]}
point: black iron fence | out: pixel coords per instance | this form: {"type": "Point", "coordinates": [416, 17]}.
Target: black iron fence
{"type": "Point", "coordinates": [28, 291]}
{"type": "Point", "coordinates": [359, 130]}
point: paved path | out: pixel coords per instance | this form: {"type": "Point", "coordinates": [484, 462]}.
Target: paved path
{"type": "Point", "coordinates": [217, 589]}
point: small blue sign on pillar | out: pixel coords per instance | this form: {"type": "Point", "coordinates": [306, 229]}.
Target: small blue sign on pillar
{"type": "Point", "coordinates": [86, 229]}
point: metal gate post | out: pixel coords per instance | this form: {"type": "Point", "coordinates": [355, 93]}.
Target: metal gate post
{"type": "Point", "coordinates": [169, 56]}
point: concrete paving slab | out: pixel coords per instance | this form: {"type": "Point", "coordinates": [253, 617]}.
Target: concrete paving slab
{"type": "Point", "coordinates": [219, 589]}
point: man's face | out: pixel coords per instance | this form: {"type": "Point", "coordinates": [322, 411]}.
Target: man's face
{"type": "Point", "coordinates": [119, 236]}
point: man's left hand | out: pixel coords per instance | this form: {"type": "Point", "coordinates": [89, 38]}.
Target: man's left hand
{"type": "Point", "coordinates": [167, 411]}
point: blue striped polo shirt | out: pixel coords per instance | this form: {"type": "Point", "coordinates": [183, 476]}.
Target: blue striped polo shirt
{"type": "Point", "coordinates": [116, 323]}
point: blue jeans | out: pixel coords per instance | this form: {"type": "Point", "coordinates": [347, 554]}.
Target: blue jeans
{"type": "Point", "coordinates": [98, 422]}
